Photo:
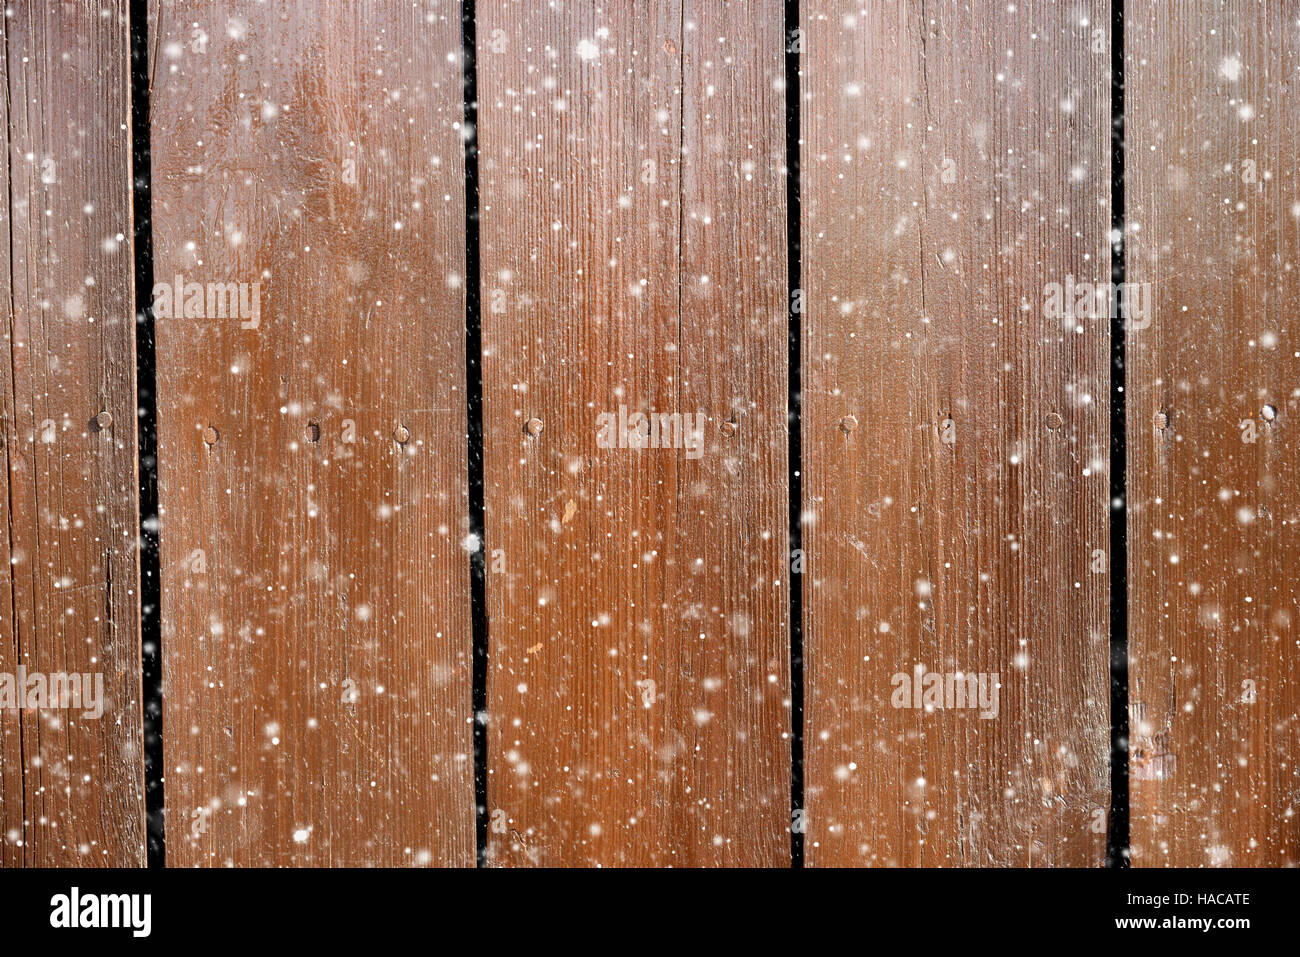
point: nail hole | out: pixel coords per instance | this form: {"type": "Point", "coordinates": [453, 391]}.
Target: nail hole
{"type": "Point", "coordinates": [313, 432]}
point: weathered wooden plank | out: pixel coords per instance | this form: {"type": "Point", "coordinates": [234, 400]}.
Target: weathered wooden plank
{"type": "Point", "coordinates": [638, 679]}
{"type": "Point", "coordinates": [1213, 201]}
{"type": "Point", "coordinates": [955, 161]}
{"type": "Point", "coordinates": [316, 618]}
{"type": "Point", "coordinates": [71, 778]}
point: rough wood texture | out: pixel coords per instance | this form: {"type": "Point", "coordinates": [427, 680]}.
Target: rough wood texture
{"type": "Point", "coordinates": [316, 620]}
{"type": "Point", "coordinates": [638, 685]}
{"type": "Point", "coordinates": [71, 784]}
{"type": "Point", "coordinates": [955, 161]}
{"type": "Point", "coordinates": [1213, 201]}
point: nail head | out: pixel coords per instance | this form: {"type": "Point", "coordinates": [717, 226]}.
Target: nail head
{"type": "Point", "coordinates": [1054, 421]}
{"type": "Point", "coordinates": [401, 435]}
{"type": "Point", "coordinates": [534, 426]}
{"type": "Point", "coordinates": [1161, 421]}
{"type": "Point", "coordinates": [104, 420]}
{"type": "Point", "coordinates": [1268, 413]}
{"type": "Point", "coordinates": [849, 423]}
{"type": "Point", "coordinates": [210, 435]}
{"type": "Point", "coordinates": [728, 429]}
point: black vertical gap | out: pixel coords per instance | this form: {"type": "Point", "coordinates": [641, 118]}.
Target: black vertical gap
{"type": "Point", "coordinates": [794, 302]}
{"type": "Point", "coordinates": [1117, 837]}
{"type": "Point", "coordinates": [147, 437]}
{"type": "Point", "coordinates": [474, 405]}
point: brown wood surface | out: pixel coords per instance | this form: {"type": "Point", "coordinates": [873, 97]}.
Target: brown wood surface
{"type": "Point", "coordinates": [316, 618]}
{"type": "Point", "coordinates": [1213, 205]}
{"type": "Point", "coordinates": [315, 545]}
{"type": "Point", "coordinates": [613, 274]}
{"type": "Point", "coordinates": [71, 785]}
{"type": "Point", "coordinates": [955, 526]}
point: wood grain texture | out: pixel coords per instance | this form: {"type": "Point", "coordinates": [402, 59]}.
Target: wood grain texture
{"type": "Point", "coordinates": [71, 783]}
{"type": "Point", "coordinates": [1213, 206]}
{"type": "Point", "coordinates": [955, 161]}
{"type": "Point", "coordinates": [316, 618]}
{"type": "Point", "coordinates": [638, 684]}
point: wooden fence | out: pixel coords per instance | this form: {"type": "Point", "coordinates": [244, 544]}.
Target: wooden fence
{"type": "Point", "coordinates": [480, 432]}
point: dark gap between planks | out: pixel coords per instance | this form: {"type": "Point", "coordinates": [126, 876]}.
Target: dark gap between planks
{"type": "Point", "coordinates": [798, 815]}
{"type": "Point", "coordinates": [1117, 832]}
{"type": "Point", "coordinates": [474, 419]}
{"type": "Point", "coordinates": [147, 438]}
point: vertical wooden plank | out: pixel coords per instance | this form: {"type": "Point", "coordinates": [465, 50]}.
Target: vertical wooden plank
{"type": "Point", "coordinates": [638, 684]}
{"type": "Point", "coordinates": [1213, 206]}
{"type": "Point", "coordinates": [316, 621]}
{"type": "Point", "coordinates": [71, 779]}
{"type": "Point", "coordinates": [955, 161]}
